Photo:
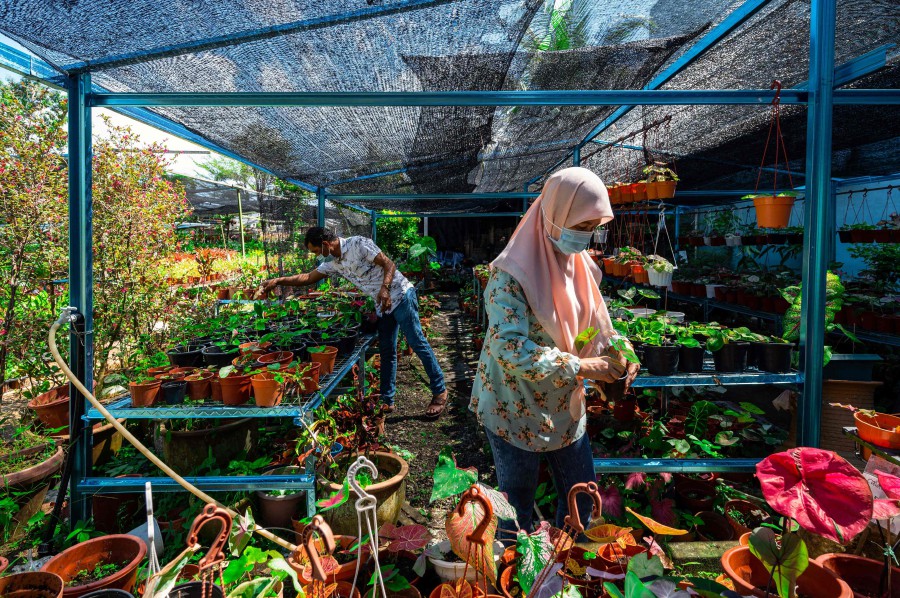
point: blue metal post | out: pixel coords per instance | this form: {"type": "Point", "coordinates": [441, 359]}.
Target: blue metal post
{"type": "Point", "coordinates": [576, 156]}
{"type": "Point", "coordinates": [374, 216]}
{"type": "Point", "coordinates": [677, 225]}
{"type": "Point", "coordinates": [81, 293]}
{"type": "Point", "coordinates": [320, 194]}
{"type": "Point", "coordinates": [816, 219]}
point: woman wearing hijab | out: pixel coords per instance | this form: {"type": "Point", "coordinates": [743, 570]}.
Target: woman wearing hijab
{"type": "Point", "coordinates": [529, 388]}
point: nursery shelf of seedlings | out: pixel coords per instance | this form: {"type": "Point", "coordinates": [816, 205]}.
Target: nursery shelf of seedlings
{"type": "Point", "coordinates": [296, 406]}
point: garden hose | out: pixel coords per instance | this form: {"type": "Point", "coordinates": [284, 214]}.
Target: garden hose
{"type": "Point", "coordinates": [66, 317]}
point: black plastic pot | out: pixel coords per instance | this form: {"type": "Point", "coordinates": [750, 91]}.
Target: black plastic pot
{"type": "Point", "coordinates": [173, 392]}
{"type": "Point", "coordinates": [775, 357]}
{"type": "Point", "coordinates": [108, 593]}
{"type": "Point", "coordinates": [186, 356]}
{"type": "Point", "coordinates": [732, 357]}
{"type": "Point", "coordinates": [196, 589]}
{"type": "Point", "coordinates": [345, 344]}
{"type": "Point", "coordinates": [661, 361]}
{"type": "Point", "coordinates": [638, 347]}
{"type": "Point", "coordinates": [690, 360]}
{"type": "Point", "coordinates": [216, 356]}
{"type": "Point", "coordinates": [753, 354]}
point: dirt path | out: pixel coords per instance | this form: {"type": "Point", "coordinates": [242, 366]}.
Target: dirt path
{"type": "Point", "coordinates": [408, 430]}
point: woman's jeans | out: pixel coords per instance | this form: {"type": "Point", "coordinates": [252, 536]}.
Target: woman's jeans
{"type": "Point", "coordinates": [517, 475]}
{"type": "Point", "coordinates": [405, 317]}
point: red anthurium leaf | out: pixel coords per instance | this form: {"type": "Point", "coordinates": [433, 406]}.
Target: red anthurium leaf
{"type": "Point", "coordinates": [409, 537]}
{"type": "Point", "coordinates": [889, 483]}
{"type": "Point", "coordinates": [885, 508]}
{"type": "Point", "coordinates": [819, 489]}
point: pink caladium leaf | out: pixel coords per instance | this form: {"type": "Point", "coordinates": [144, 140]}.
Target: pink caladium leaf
{"type": "Point", "coordinates": [819, 489]}
{"type": "Point", "coordinates": [613, 505]}
{"type": "Point", "coordinates": [885, 508]}
{"type": "Point", "coordinates": [410, 538]}
{"type": "Point", "coordinates": [329, 566]}
{"type": "Point", "coordinates": [635, 480]}
{"type": "Point", "coordinates": [889, 483]}
{"type": "Point", "coordinates": [336, 499]}
{"type": "Point", "coordinates": [387, 531]}
{"type": "Point", "coordinates": [459, 527]}
{"type": "Point", "coordinates": [663, 511]}
{"type": "Point", "coordinates": [500, 504]}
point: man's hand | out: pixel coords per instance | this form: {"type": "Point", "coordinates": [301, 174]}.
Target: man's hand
{"type": "Point", "coordinates": [383, 299]}
{"type": "Point", "coordinates": [266, 287]}
{"type": "Point", "coordinates": [603, 369]}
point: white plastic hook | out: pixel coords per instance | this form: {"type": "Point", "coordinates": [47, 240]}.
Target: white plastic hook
{"type": "Point", "coordinates": [153, 566]}
{"type": "Point", "coordinates": [366, 509]}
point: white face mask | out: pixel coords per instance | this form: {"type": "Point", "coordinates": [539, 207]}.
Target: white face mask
{"type": "Point", "coordinates": [570, 241]}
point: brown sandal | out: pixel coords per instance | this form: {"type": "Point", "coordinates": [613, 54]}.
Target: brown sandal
{"type": "Point", "coordinates": [438, 400]}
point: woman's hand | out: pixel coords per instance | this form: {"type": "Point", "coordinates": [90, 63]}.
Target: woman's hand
{"type": "Point", "coordinates": [603, 369]}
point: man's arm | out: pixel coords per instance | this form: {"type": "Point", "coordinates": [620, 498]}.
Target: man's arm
{"type": "Point", "coordinates": [298, 280]}
{"type": "Point", "coordinates": [383, 299]}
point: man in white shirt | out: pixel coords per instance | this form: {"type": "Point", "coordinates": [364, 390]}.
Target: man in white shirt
{"type": "Point", "coordinates": [361, 262]}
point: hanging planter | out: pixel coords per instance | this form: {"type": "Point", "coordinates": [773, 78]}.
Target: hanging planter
{"type": "Point", "coordinates": [773, 211]}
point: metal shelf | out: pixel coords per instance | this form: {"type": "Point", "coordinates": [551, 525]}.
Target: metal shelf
{"type": "Point", "coordinates": [891, 340]}
{"type": "Point", "coordinates": [122, 408]}
{"type": "Point", "coordinates": [889, 455]}
{"type": "Point", "coordinates": [701, 301]}
{"type": "Point", "coordinates": [740, 309]}
{"type": "Point", "coordinates": [713, 378]}
{"type": "Point", "coordinates": [613, 465]}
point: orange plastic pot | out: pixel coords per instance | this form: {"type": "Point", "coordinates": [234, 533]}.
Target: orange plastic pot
{"type": "Point", "coordinates": [144, 394]}
{"type": "Point", "coordinates": [661, 190]}
{"type": "Point", "coordinates": [640, 191]}
{"type": "Point", "coordinates": [309, 379]}
{"type": "Point", "coordinates": [254, 348]}
{"type": "Point", "coordinates": [615, 194]}
{"type": "Point", "coordinates": [326, 358]}
{"type": "Point", "coordinates": [279, 357]}
{"type": "Point", "coordinates": [750, 577]}
{"type": "Point", "coordinates": [879, 430]}
{"type": "Point", "coordinates": [773, 211]}
{"type": "Point", "coordinates": [115, 548]}
{"type": "Point", "coordinates": [267, 391]}
{"type": "Point", "coordinates": [235, 390]}
{"type": "Point", "coordinates": [198, 385]}
{"type": "Point", "coordinates": [215, 388]}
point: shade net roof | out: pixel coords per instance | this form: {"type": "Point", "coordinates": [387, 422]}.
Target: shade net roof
{"type": "Point", "coordinates": [475, 45]}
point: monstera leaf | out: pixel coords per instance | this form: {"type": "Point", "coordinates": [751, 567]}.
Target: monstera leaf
{"type": "Point", "coordinates": [449, 480]}
{"type": "Point", "coordinates": [819, 489]}
{"type": "Point", "coordinates": [535, 552]}
{"type": "Point", "coordinates": [460, 526]}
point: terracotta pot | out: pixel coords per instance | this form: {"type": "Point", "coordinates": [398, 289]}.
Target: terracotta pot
{"type": "Point", "coordinates": [254, 348]}
{"type": "Point", "coordinates": [230, 439]}
{"type": "Point", "coordinates": [116, 548]}
{"type": "Point", "coordinates": [879, 429]}
{"type": "Point", "coordinates": [309, 380]}
{"type": "Point", "coordinates": [267, 391]}
{"type": "Point", "coordinates": [861, 574]}
{"type": "Point", "coordinates": [664, 189]}
{"type": "Point", "coordinates": [344, 572]}
{"type": "Point", "coordinates": [506, 581]}
{"type": "Point", "coordinates": [326, 358]}
{"type": "Point", "coordinates": [144, 394]}
{"type": "Point", "coordinates": [34, 584]}
{"type": "Point", "coordinates": [215, 388]}
{"type": "Point", "coordinates": [749, 575]}
{"type": "Point", "coordinates": [196, 589]}
{"type": "Point", "coordinates": [279, 357]}
{"type": "Point", "coordinates": [28, 487]}
{"type": "Point", "coordinates": [715, 527]}
{"type": "Point", "coordinates": [745, 508]}
{"type": "Point", "coordinates": [52, 407]}
{"type": "Point", "coordinates": [390, 493]}
{"type": "Point", "coordinates": [160, 370]}
{"type": "Point", "coordinates": [772, 211]}
{"type": "Point", "coordinates": [198, 385]}
{"type": "Point", "coordinates": [235, 390]}
{"type": "Point", "coordinates": [36, 473]}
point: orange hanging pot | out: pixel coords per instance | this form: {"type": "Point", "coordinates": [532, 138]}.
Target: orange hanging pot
{"type": "Point", "coordinates": [773, 211]}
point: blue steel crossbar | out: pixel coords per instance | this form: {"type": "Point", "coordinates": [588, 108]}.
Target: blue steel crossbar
{"type": "Point", "coordinates": [425, 196]}
{"type": "Point", "coordinates": [674, 465]}
{"type": "Point", "coordinates": [471, 98]}
{"type": "Point", "coordinates": [208, 483]}
{"type": "Point", "coordinates": [242, 37]}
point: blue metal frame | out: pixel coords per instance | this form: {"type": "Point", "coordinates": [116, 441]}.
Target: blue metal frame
{"type": "Point", "coordinates": [242, 37]}
{"type": "Point", "coordinates": [447, 196]}
{"type": "Point", "coordinates": [819, 206]}
{"type": "Point", "coordinates": [320, 197]}
{"type": "Point", "coordinates": [81, 282]}
{"type": "Point", "coordinates": [616, 465]}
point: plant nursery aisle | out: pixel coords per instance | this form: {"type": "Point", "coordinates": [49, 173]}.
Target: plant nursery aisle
{"type": "Point", "coordinates": [408, 430]}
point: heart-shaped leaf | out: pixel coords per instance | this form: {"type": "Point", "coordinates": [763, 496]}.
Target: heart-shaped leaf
{"type": "Point", "coordinates": [646, 566]}
{"type": "Point", "coordinates": [667, 588]}
{"type": "Point", "coordinates": [707, 588]}
{"type": "Point", "coordinates": [785, 560]}
{"type": "Point", "coordinates": [460, 526]}
{"type": "Point", "coordinates": [449, 480]}
{"type": "Point", "coordinates": [885, 508]}
{"type": "Point", "coordinates": [500, 504]}
{"type": "Point", "coordinates": [657, 529]}
{"type": "Point", "coordinates": [336, 499]}
{"type": "Point", "coordinates": [535, 551]}
{"type": "Point", "coordinates": [819, 489]}
{"type": "Point", "coordinates": [329, 566]}
{"type": "Point", "coordinates": [253, 589]}
{"type": "Point", "coordinates": [552, 584]}
{"type": "Point", "coordinates": [607, 532]}
{"type": "Point", "coordinates": [409, 537]}
{"type": "Point", "coordinates": [889, 483]}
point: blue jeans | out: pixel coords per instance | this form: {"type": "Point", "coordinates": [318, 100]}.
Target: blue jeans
{"type": "Point", "coordinates": [405, 317]}
{"type": "Point", "coordinates": [517, 476]}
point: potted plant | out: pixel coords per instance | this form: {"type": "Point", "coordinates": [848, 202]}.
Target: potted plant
{"type": "Point", "coordinates": [690, 350]}
{"type": "Point", "coordinates": [33, 584]}
{"type": "Point", "coordinates": [660, 354]}
{"type": "Point", "coordinates": [660, 271]}
{"type": "Point", "coordinates": [660, 180]}
{"type": "Point", "coordinates": [173, 391]}
{"type": "Point", "coordinates": [28, 462]}
{"type": "Point", "coordinates": [106, 562]}
{"type": "Point", "coordinates": [235, 386]}
{"type": "Point", "coordinates": [144, 390]}
{"type": "Point", "coordinates": [730, 346]}
{"type": "Point", "coordinates": [323, 355]}
{"type": "Point", "coordinates": [773, 210]}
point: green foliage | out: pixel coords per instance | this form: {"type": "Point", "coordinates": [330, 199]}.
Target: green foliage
{"type": "Point", "coordinates": [786, 559]}
{"type": "Point", "coordinates": [449, 480]}
{"type": "Point", "coordinates": [395, 236]}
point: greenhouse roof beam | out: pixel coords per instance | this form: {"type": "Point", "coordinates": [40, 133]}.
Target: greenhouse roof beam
{"type": "Point", "coordinates": [613, 97]}
{"type": "Point", "coordinates": [859, 67]}
{"type": "Point", "coordinates": [250, 35]}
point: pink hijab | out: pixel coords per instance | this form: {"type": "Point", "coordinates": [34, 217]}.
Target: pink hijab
{"type": "Point", "coordinates": [562, 290]}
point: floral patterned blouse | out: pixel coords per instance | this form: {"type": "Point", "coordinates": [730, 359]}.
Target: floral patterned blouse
{"type": "Point", "coordinates": [523, 383]}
